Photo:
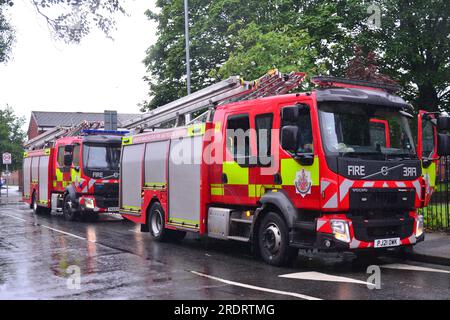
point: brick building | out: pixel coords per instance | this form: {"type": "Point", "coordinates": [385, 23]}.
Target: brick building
{"type": "Point", "coordinates": [41, 121]}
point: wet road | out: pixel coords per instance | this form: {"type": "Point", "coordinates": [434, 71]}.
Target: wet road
{"type": "Point", "coordinates": [40, 257]}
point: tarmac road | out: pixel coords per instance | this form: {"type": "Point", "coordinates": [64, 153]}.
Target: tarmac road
{"type": "Point", "coordinates": [40, 257]}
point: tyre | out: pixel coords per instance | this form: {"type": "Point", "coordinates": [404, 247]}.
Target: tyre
{"type": "Point", "coordinates": [69, 212]}
{"type": "Point", "coordinates": [38, 209]}
{"type": "Point", "coordinates": [156, 225]}
{"type": "Point", "coordinates": [273, 241]}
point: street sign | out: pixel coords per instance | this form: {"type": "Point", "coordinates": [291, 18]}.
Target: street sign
{"type": "Point", "coordinates": [7, 158]}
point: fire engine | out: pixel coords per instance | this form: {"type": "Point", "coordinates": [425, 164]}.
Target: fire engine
{"type": "Point", "coordinates": [332, 169]}
{"type": "Point", "coordinates": [76, 173]}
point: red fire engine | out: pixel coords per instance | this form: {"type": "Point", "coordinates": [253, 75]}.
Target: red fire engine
{"type": "Point", "coordinates": [78, 174]}
{"type": "Point", "coordinates": [333, 169]}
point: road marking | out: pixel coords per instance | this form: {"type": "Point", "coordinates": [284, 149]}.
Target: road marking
{"type": "Point", "coordinates": [317, 276]}
{"type": "Point", "coordinates": [53, 229]}
{"type": "Point", "coordinates": [400, 266]}
{"type": "Point", "coordinates": [248, 286]}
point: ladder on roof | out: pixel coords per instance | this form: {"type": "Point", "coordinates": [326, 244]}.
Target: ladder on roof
{"type": "Point", "coordinates": [229, 90]}
{"type": "Point", "coordinates": [47, 138]}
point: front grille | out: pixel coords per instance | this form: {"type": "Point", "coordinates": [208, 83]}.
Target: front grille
{"type": "Point", "coordinates": [381, 198]}
{"type": "Point", "coordinates": [370, 230]}
{"type": "Point", "coordinates": [109, 190]}
{"type": "Point", "coordinates": [106, 202]}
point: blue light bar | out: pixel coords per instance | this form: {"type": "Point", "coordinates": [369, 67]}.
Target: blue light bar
{"type": "Point", "coordinates": [109, 132]}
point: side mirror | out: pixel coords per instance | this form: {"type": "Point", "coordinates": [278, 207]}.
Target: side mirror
{"type": "Point", "coordinates": [443, 123]}
{"type": "Point", "coordinates": [289, 138]}
{"type": "Point", "coordinates": [68, 148]}
{"type": "Point", "coordinates": [443, 145]}
{"type": "Point", "coordinates": [68, 158]}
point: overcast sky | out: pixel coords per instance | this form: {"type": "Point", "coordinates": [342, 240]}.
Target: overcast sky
{"type": "Point", "coordinates": [48, 75]}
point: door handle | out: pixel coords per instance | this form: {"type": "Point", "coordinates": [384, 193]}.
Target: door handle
{"type": "Point", "coordinates": [224, 178]}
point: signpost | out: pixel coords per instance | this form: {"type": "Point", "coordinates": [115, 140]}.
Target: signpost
{"type": "Point", "coordinates": [7, 160]}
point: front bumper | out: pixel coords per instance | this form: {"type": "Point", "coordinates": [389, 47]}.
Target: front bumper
{"type": "Point", "coordinates": [99, 204]}
{"type": "Point", "coordinates": [362, 234]}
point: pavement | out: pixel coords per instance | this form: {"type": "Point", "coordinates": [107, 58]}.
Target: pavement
{"type": "Point", "coordinates": [435, 249]}
{"type": "Point", "coordinates": [14, 196]}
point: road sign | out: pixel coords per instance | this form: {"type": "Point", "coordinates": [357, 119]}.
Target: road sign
{"type": "Point", "coordinates": [7, 158]}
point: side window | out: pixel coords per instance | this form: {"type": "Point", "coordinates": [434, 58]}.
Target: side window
{"type": "Point", "coordinates": [61, 156]}
{"type": "Point", "coordinates": [427, 138]}
{"type": "Point", "coordinates": [305, 136]}
{"type": "Point", "coordinates": [263, 123]}
{"type": "Point", "coordinates": [76, 155]}
{"type": "Point", "coordinates": [238, 136]}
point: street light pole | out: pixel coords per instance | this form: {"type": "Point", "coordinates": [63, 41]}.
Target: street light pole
{"type": "Point", "coordinates": [186, 33]}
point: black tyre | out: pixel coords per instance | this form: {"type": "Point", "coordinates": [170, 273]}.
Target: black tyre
{"type": "Point", "coordinates": [70, 213]}
{"type": "Point", "coordinates": [156, 225]}
{"type": "Point", "coordinates": [273, 241]}
{"type": "Point", "coordinates": [36, 208]}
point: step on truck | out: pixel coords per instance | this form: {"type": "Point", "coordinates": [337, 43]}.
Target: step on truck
{"type": "Point", "coordinates": [78, 175]}
{"type": "Point", "coordinates": [333, 169]}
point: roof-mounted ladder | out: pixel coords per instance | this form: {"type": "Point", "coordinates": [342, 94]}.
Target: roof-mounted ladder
{"type": "Point", "coordinates": [229, 90]}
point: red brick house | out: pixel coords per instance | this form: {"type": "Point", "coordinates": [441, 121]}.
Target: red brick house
{"type": "Point", "coordinates": [41, 121]}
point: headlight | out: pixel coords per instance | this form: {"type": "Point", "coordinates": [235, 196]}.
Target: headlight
{"type": "Point", "coordinates": [89, 203]}
{"type": "Point", "coordinates": [340, 230]}
{"type": "Point", "coordinates": [419, 226]}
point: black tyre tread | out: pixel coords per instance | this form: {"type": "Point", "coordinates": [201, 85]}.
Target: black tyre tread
{"type": "Point", "coordinates": [287, 254]}
{"type": "Point", "coordinates": [166, 235]}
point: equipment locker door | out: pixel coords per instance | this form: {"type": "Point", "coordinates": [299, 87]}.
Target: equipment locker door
{"type": "Point", "coordinates": [156, 164]}
{"type": "Point", "coordinates": [131, 177]}
{"type": "Point", "coordinates": [184, 181]}
{"type": "Point", "coordinates": [34, 169]}
{"type": "Point", "coordinates": [43, 179]}
{"type": "Point", "coordinates": [26, 177]}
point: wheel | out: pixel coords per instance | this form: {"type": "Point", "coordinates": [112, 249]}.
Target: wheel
{"type": "Point", "coordinates": [156, 223]}
{"type": "Point", "coordinates": [273, 241]}
{"type": "Point", "coordinates": [38, 209]}
{"type": "Point", "coordinates": [70, 214]}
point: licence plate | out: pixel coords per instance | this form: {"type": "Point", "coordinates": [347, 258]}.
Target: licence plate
{"type": "Point", "coordinates": [113, 209]}
{"type": "Point", "coordinates": [385, 243]}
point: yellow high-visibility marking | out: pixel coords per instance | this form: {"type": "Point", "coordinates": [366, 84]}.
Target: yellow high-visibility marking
{"type": "Point", "coordinates": [235, 173]}
{"type": "Point", "coordinates": [290, 167]}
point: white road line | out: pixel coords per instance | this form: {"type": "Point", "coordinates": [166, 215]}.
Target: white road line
{"type": "Point", "coordinates": [317, 276]}
{"type": "Point", "coordinates": [248, 286]}
{"type": "Point", "coordinates": [53, 229]}
{"type": "Point", "coordinates": [400, 266]}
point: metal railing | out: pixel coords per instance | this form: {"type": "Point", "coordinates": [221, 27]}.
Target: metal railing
{"type": "Point", "coordinates": [437, 213]}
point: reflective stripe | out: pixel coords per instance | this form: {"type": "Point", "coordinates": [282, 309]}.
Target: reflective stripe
{"type": "Point", "coordinates": [196, 129]}
{"type": "Point", "coordinates": [59, 175]}
{"type": "Point", "coordinates": [185, 221]}
{"type": "Point", "coordinates": [235, 173]}
{"type": "Point", "coordinates": [257, 190]}
{"type": "Point", "coordinates": [127, 140]}
{"type": "Point", "coordinates": [431, 171]}
{"type": "Point", "coordinates": [157, 185]}
{"type": "Point", "coordinates": [290, 167]}
{"type": "Point", "coordinates": [131, 208]}
{"type": "Point", "coordinates": [217, 190]}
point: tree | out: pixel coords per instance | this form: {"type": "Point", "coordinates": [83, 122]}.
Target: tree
{"type": "Point", "coordinates": [245, 37]}
{"type": "Point", "coordinates": [12, 136]}
{"type": "Point", "coordinates": [72, 20]}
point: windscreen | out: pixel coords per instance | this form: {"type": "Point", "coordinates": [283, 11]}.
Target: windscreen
{"type": "Point", "coordinates": [101, 157]}
{"type": "Point", "coordinates": [365, 131]}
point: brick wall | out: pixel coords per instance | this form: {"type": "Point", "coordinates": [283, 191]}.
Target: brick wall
{"type": "Point", "coordinates": [33, 129]}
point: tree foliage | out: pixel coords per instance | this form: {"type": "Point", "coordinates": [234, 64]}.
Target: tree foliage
{"type": "Point", "coordinates": [317, 36]}
{"type": "Point", "coordinates": [12, 136]}
{"type": "Point", "coordinates": [68, 20]}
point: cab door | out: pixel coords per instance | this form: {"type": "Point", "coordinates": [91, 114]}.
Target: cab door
{"type": "Point", "coordinates": [427, 152]}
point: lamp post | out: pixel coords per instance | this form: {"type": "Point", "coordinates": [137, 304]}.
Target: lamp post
{"type": "Point", "coordinates": [186, 34]}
